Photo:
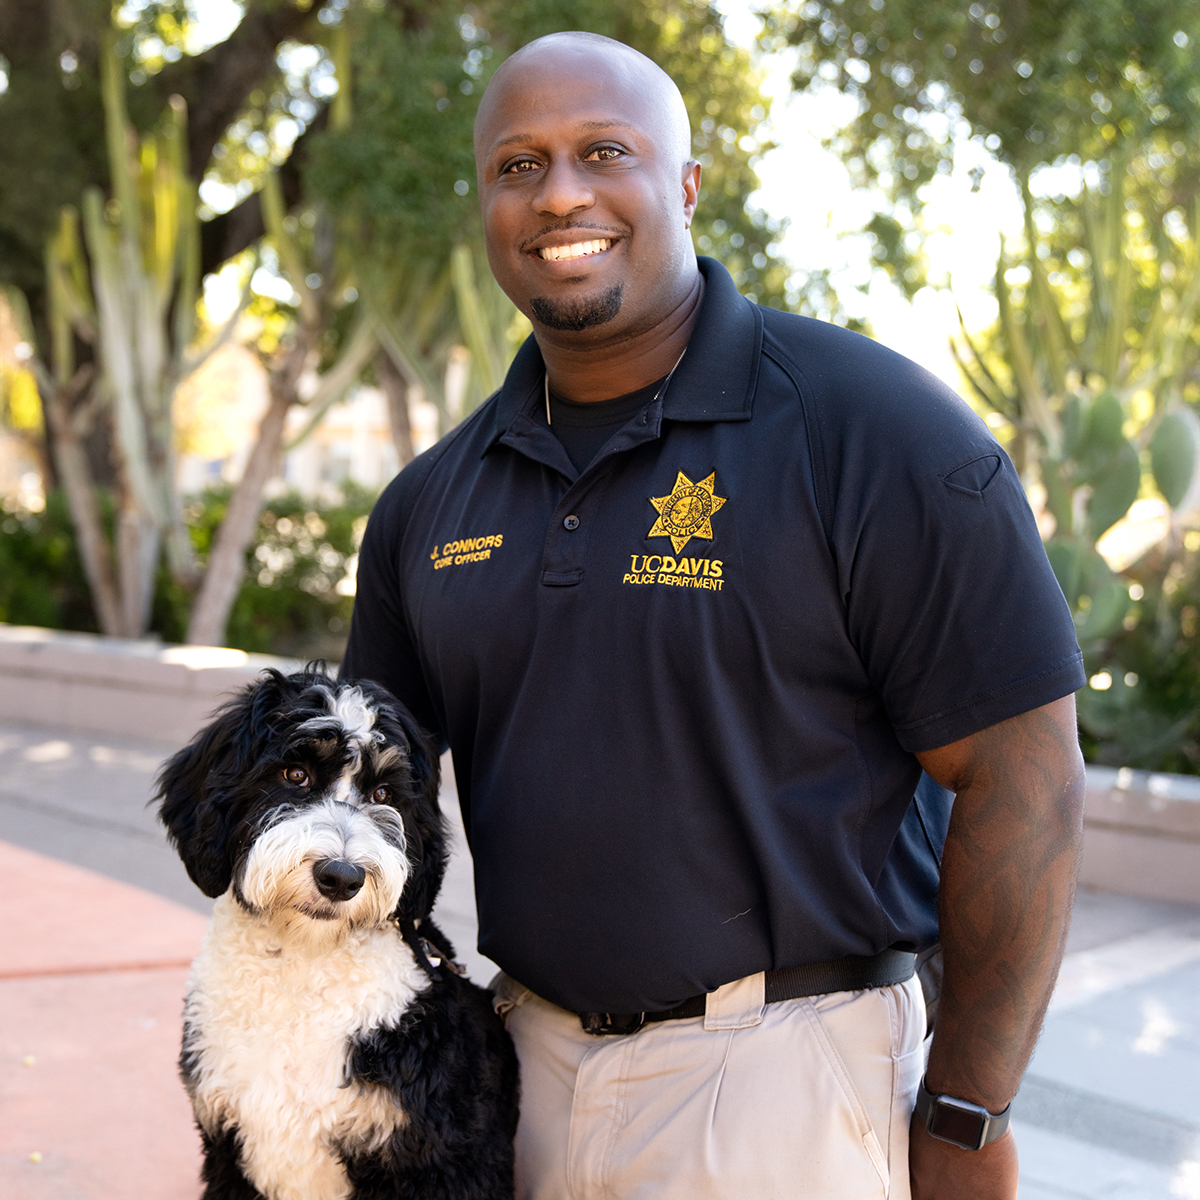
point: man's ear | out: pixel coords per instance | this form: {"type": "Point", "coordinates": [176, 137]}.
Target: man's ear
{"type": "Point", "coordinates": [691, 190]}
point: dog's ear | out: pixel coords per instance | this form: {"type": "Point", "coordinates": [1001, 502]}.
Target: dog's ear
{"type": "Point", "coordinates": [197, 787]}
{"type": "Point", "coordinates": [423, 823]}
{"type": "Point", "coordinates": [424, 826]}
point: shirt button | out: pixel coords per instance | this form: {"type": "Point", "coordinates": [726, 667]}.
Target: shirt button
{"type": "Point", "coordinates": [571, 522]}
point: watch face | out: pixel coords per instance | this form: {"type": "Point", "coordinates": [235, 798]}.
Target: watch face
{"type": "Point", "coordinates": [952, 1123]}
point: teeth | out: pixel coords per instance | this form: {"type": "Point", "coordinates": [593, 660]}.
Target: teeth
{"type": "Point", "coordinates": [578, 250]}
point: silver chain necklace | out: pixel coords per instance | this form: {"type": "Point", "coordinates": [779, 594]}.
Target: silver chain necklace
{"type": "Point", "coordinates": [663, 388]}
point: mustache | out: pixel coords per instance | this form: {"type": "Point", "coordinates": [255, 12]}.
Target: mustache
{"type": "Point", "coordinates": [571, 227]}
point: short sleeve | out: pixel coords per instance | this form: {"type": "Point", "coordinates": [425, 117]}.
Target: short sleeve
{"type": "Point", "coordinates": [950, 599]}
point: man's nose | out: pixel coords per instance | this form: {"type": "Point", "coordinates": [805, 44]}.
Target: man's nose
{"type": "Point", "coordinates": [565, 189]}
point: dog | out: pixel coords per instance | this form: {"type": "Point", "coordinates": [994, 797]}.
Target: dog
{"type": "Point", "coordinates": [330, 1048]}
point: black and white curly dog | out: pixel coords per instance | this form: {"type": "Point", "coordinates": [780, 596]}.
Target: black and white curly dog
{"type": "Point", "coordinates": [330, 1050]}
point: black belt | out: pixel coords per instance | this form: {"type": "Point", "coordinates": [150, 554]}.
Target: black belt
{"type": "Point", "coordinates": [849, 974]}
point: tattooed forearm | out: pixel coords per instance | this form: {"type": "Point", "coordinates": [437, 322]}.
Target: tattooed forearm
{"type": "Point", "coordinates": [1008, 880]}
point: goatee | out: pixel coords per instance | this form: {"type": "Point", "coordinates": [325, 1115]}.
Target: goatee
{"type": "Point", "coordinates": [577, 314]}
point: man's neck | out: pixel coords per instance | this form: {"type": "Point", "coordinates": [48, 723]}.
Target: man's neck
{"type": "Point", "coordinates": [600, 370]}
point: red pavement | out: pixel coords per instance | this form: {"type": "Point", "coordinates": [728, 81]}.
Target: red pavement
{"type": "Point", "coordinates": [92, 976]}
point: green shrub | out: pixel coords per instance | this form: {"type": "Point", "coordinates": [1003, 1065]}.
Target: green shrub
{"type": "Point", "coordinates": [1146, 710]}
{"type": "Point", "coordinates": [41, 577]}
{"type": "Point", "coordinates": [289, 602]}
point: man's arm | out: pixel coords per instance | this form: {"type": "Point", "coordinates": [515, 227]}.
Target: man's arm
{"type": "Point", "coordinates": [1008, 881]}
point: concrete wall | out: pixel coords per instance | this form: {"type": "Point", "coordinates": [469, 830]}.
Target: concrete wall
{"type": "Point", "coordinates": [139, 689]}
{"type": "Point", "coordinates": [1142, 832]}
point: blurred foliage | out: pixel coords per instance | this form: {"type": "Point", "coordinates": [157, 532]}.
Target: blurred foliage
{"type": "Point", "coordinates": [1037, 83]}
{"type": "Point", "coordinates": [1143, 707]}
{"type": "Point", "coordinates": [389, 174]}
{"type": "Point", "coordinates": [52, 115]}
{"type": "Point", "coordinates": [52, 125]}
{"type": "Point", "coordinates": [41, 577]}
{"type": "Point", "coordinates": [289, 602]}
{"type": "Point", "coordinates": [1093, 367]}
{"type": "Point", "coordinates": [20, 408]}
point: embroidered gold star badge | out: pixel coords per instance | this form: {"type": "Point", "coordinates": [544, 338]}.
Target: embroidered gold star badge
{"type": "Point", "coordinates": [687, 512]}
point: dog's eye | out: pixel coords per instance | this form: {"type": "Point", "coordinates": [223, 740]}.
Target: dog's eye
{"type": "Point", "coordinates": [295, 775]}
{"type": "Point", "coordinates": [382, 794]}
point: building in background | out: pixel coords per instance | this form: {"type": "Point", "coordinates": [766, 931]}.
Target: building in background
{"type": "Point", "coordinates": [217, 413]}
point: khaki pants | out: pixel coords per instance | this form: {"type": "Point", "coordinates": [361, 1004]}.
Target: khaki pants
{"type": "Point", "coordinates": [805, 1099]}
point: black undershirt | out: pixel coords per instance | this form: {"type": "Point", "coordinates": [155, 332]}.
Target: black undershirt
{"type": "Point", "coordinates": [584, 428]}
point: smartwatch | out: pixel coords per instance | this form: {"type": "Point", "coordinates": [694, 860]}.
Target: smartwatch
{"type": "Point", "coordinates": [959, 1122]}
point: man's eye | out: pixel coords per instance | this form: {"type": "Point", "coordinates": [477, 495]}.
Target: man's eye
{"type": "Point", "coordinates": [382, 794]}
{"type": "Point", "coordinates": [521, 167]}
{"type": "Point", "coordinates": [605, 154]}
{"type": "Point", "coordinates": [296, 775]}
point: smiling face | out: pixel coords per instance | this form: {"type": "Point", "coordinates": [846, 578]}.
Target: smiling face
{"type": "Point", "coordinates": [587, 193]}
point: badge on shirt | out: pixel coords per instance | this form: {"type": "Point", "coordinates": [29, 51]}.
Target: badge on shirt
{"type": "Point", "coordinates": [687, 512]}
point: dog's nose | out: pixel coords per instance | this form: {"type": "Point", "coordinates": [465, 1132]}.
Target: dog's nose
{"type": "Point", "coordinates": [338, 879]}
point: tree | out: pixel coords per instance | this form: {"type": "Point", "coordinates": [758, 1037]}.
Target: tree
{"type": "Point", "coordinates": [132, 299]}
{"type": "Point", "coordinates": [1094, 362]}
{"type": "Point", "coordinates": [134, 307]}
{"type": "Point", "coordinates": [366, 207]}
{"type": "Point", "coordinates": [53, 130]}
{"type": "Point", "coordinates": [113, 310]}
{"type": "Point", "coordinates": [1038, 83]}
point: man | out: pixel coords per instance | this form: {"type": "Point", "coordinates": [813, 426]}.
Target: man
{"type": "Point", "coordinates": [693, 599]}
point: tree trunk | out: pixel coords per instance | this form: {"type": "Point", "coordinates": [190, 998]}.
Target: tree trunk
{"type": "Point", "coordinates": [138, 545]}
{"type": "Point", "coordinates": [227, 560]}
{"type": "Point", "coordinates": [75, 474]}
{"type": "Point", "coordinates": [395, 389]}
{"type": "Point", "coordinates": [226, 563]}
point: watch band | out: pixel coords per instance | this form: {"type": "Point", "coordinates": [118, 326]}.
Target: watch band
{"type": "Point", "coordinates": [959, 1122]}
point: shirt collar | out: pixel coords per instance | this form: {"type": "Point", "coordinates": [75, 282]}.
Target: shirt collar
{"type": "Point", "coordinates": [715, 379]}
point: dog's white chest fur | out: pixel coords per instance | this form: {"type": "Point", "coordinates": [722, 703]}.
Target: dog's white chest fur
{"type": "Point", "coordinates": [271, 1017]}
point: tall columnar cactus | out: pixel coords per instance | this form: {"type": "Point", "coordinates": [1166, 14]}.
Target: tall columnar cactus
{"type": "Point", "coordinates": [136, 306]}
{"type": "Point", "coordinates": [1089, 369]}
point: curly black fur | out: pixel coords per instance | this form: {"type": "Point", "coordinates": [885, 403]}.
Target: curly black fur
{"type": "Point", "coordinates": [222, 1174]}
{"type": "Point", "coordinates": [447, 1059]}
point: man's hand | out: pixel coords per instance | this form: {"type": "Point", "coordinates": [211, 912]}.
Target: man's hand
{"type": "Point", "coordinates": [940, 1171]}
{"type": "Point", "coordinates": [1008, 882]}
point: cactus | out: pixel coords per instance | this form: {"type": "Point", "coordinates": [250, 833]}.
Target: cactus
{"type": "Point", "coordinates": [1078, 381]}
{"type": "Point", "coordinates": [132, 298]}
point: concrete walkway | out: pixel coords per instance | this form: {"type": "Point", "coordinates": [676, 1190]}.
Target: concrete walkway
{"type": "Point", "coordinates": [98, 920]}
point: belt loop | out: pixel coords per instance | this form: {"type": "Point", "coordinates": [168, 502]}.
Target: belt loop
{"type": "Point", "coordinates": [507, 994]}
{"type": "Point", "coordinates": [736, 1005]}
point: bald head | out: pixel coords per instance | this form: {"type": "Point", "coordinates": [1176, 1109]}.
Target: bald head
{"type": "Point", "coordinates": [578, 55]}
{"type": "Point", "coordinates": [587, 190]}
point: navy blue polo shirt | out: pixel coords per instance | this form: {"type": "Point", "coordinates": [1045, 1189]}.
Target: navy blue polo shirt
{"type": "Point", "coordinates": [683, 687]}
